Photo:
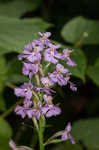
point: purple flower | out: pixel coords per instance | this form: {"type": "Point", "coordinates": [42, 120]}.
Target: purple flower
{"type": "Point", "coordinates": [46, 90]}
{"type": "Point", "coordinates": [51, 54]}
{"type": "Point", "coordinates": [46, 82]}
{"type": "Point", "coordinates": [61, 69]}
{"type": "Point", "coordinates": [50, 110]}
{"type": "Point", "coordinates": [28, 102]}
{"type": "Point", "coordinates": [24, 90]}
{"type": "Point", "coordinates": [57, 76]}
{"type": "Point", "coordinates": [20, 110]}
{"type": "Point", "coordinates": [24, 111]}
{"type": "Point", "coordinates": [44, 38]}
{"type": "Point", "coordinates": [36, 111]}
{"type": "Point", "coordinates": [30, 69]}
{"type": "Point", "coordinates": [47, 98]}
{"type": "Point", "coordinates": [66, 55]}
{"type": "Point", "coordinates": [14, 147]}
{"type": "Point", "coordinates": [71, 62]}
{"type": "Point", "coordinates": [46, 34]}
{"type": "Point", "coordinates": [66, 79]}
{"type": "Point", "coordinates": [32, 52]}
{"type": "Point", "coordinates": [66, 134]}
{"type": "Point", "coordinates": [72, 86]}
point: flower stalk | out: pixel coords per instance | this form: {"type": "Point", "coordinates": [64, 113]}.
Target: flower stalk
{"type": "Point", "coordinates": [38, 101]}
{"type": "Point", "coordinates": [41, 134]}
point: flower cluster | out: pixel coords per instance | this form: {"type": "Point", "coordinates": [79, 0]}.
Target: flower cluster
{"type": "Point", "coordinates": [66, 134]}
{"type": "Point", "coordinates": [36, 57]}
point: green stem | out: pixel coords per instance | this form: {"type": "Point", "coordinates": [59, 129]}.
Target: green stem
{"type": "Point", "coordinates": [79, 43]}
{"type": "Point", "coordinates": [5, 114]}
{"type": "Point", "coordinates": [41, 135]}
{"type": "Point", "coordinates": [10, 85]}
{"type": "Point", "coordinates": [53, 142]}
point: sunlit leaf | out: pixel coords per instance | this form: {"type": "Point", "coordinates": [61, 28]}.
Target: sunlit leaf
{"type": "Point", "coordinates": [87, 131]}
{"type": "Point", "coordinates": [5, 134]}
{"type": "Point", "coordinates": [67, 145]}
{"type": "Point", "coordinates": [15, 33]}
{"type": "Point", "coordinates": [81, 29]}
{"type": "Point", "coordinates": [16, 8]}
{"type": "Point", "coordinates": [93, 72]}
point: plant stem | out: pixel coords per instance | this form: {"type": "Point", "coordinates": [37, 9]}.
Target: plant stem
{"type": "Point", "coordinates": [10, 85]}
{"type": "Point", "coordinates": [5, 114]}
{"type": "Point", "coordinates": [41, 135]}
{"type": "Point", "coordinates": [53, 142]}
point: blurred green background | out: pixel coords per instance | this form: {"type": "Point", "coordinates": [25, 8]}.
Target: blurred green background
{"type": "Point", "coordinates": [75, 25]}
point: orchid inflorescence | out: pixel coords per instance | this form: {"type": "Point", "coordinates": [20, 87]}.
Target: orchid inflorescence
{"type": "Point", "coordinates": [37, 57]}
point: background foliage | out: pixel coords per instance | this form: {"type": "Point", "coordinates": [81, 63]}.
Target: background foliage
{"type": "Point", "coordinates": [75, 25]}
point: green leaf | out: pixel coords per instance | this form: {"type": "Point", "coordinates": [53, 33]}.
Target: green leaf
{"type": "Point", "coordinates": [2, 79]}
{"type": "Point", "coordinates": [15, 33]}
{"type": "Point", "coordinates": [5, 134]}
{"type": "Point", "coordinates": [67, 146]}
{"type": "Point", "coordinates": [5, 129]}
{"type": "Point", "coordinates": [14, 72]}
{"type": "Point", "coordinates": [93, 72]}
{"type": "Point", "coordinates": [80, 29]}
{"type": "Point", "coordinates": [2, 72]}
{"type": "Point", "coordinates": [17, 8]}
{"type": "Point", "coordinates": [87, 131]}
{"type": "Point", "coordinates": [2, 103]}
{"type": "Point", "coordinates": [4, 144]}
{"type": "Point", "coordinates": [80, 59]}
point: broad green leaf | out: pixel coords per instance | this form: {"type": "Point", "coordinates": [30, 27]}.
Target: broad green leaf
{"type": "Point", "coordinates": [80, 59]}
{"type": "Point", "coordinates": [15, 33]}
{"type": "Point", "coordinates": [14, 72]}
{"type": "Point", "coordinates": [2, 103]}
{"type": "Point", "coordinates": [2, 72]}
{"type": "Point", "coordinates": [80, 29]}
{"type": "Point", "coordinates": [87, 131]}
{"type": "Point", "coordinates": [4, 144]}
{"type": "Point", "coordinates": [5, 129]}
{"type": "Point", "coordinates": [67, 146]}
{"type": "Point", "coordinates": [2, 79]}
{"type": "Point", "coordinates": [5, 134]}
{"type": "Point", "coordinates": [16, 8]}
{"type": "Point", "coordinates": [17, 78]}
{"type": "Point", "coordinates": [93, 72]}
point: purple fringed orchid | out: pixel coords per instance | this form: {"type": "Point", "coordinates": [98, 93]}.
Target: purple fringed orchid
{"type": "Point", "coordinates": [31, 68]}
{"type": "Point", "coordinates": [14, 147]}
{"type": "Point", "coordinates": [51, 55]}
{"type": "Point", "coordinates": [57, 75]}
{"type": "Point", "coordinates": [72, 86]}
{"type": "Point", "coordinates": [66, 134]}
{"type": "Point", "coordinates": [46, 90]}
{"type": "Point", "coordinates": [47, 82]}
{"type": "Point", "coordinates": [44, 38]}
{"type": "Point", "coordinates": [32, 52]}
{"type": "Point", "coordinates": [24, 90]}
{"type": "Point", "coordinates": [36, 111]}
{"type": "Point", "coordinates": [38, 102]}
{"type": "Point", "coordinates": [49, 109]}
{"type": "Point", "coordinates": [24, 111]}
{"type": "Point", "coordinates": [66, 56]}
